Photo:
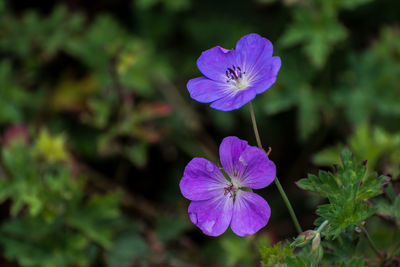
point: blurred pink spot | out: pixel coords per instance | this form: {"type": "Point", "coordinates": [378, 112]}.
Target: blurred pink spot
{"type": "Point", "coordinates": [13, 133]}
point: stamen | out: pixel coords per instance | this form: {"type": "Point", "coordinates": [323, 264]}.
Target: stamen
{"type": "Point", "coordinates": [235, 75]}
{"type": "Point", "coordinates": [231, 190]}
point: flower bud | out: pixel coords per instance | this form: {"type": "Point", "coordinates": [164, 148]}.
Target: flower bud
{"type": "Point", "coordinates": [304, 238]}
{"type": "Point", "coordinates": [316, 242]}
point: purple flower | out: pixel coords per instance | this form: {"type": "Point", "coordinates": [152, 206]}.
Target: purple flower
{"type": "Point", "coordinates": [218, 202]}
{"type": "Point", "coordinates": [234, 77]}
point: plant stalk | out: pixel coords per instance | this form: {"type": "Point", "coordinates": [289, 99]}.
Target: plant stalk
{"type": "Point", "coordinates": [371, 243]}
{"type": "Point", "coordinates": [276, 180]}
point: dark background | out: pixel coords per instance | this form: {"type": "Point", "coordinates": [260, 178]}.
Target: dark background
{"type": "Point", "coordinates": [94, 93]}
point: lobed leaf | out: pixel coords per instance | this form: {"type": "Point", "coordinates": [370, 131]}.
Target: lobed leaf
{"type": "Point", "coordinates": [348, 190]}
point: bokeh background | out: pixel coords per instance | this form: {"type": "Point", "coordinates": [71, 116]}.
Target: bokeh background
{"type": "Point", "coordinates": [97, 125]}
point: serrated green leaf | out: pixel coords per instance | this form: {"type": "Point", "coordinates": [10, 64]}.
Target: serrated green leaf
{"type": "Point", "coordinates": [347, 191]}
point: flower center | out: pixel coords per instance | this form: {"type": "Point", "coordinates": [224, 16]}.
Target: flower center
{"type": "Point", "coordinates": [231, 189]}
{"type": "Point", "coordinates": [236, 76]}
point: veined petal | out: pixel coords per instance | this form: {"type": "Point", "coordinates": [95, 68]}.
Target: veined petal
{"type": "Point", "coordinates": [212, 216]}
{"type": "Point", "coordinates": [252, 48]}
{"type": "Point", "coordinates": [205, 90]}
{"type": "Point", "coordinates": [265, 73]}
{"type": "Point", "coordinates": [255, 170]}
{"type": "Point", "coordinates": [234, 100]}
{"type": "Point", "coordinates": [230, 150]}
{"type": "Point", "coordinates": [250, 213]}
{"type": "Point", "coordinates": [214, 62]}
{"type": "Point", "coordinates": [202, 180]}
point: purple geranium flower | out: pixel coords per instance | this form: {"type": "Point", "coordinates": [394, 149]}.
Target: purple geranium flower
{"type": "Point", "coordinates": [234, 77]}
{"type": "Point", "coordinates": [218, 202]}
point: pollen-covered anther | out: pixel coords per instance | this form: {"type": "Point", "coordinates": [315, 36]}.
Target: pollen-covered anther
{"type": "Point", "coordinates": [234, 74]}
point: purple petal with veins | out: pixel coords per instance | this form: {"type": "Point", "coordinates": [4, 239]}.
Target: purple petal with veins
{"type": "Point", "coordinates": [250, 213]}
{"type": "Point", "coordinates": [218, 202]}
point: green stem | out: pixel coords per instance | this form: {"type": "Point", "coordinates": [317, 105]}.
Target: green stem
{"type": "Point", "coordinates": [393, 250]}
{"type": "Point", "coordinates": [322, 226]}
{"type": "Point", "coordinates": [277, 183]}
{"type": "Point", "coordinates": [371, 243]}
{"type": "Point", "coordinates": [288, 205]}
{"type": "Point", "coordinates": [255, 128]}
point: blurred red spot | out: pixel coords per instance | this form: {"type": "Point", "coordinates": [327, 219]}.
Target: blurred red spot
{"type": "Point", "coordinates": [161, 108]}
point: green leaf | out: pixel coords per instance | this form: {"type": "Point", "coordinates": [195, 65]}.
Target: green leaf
{"type": "Point", "coordinates": [373, 143]}
{"type": "Point", "coordinates": [13, 98]}
{"type": "Point", "coordinates": [127, 248]}
{"type": "Point", "coordinates": [93, 218]}
{"type": "Point", "coordinates": [296, 261]}
{"type": "Point", "coordinates": [309, 118]}
{"type": "Point", "coordinates": [276, 255]}
{"type": "Point", "coordinates": [369, 90]}
{"type": "Point", "coordinates": [51, 148]}
{"type": "Point", "coordinates": [342, 248]}
{"type": "Point", "coordinates": [347, 190]}
{"type": "Point", "coordinates": [170, 227]}
{"type": "Point", "coordinates": [328, 156]}
{"type": "Point", "coordinates": [353, 263]}
{"type": "Point", "coordinates": [62, 225]}
{"type": "Point", "coordinates": [389, 207]}
{"type": "Point", "coordinates": [237, 250]}
{"type": "Point", "coordinates": [319, 31]}
{"type": "Point", "coordinates": [46, 245]}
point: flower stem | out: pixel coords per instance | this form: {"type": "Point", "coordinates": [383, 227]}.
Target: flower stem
{"type": "Point", "coordinates": [288, 205]}
{"type": "Point", "coordinates": [276, 180]}
{"type": "Point", "coordinates": [255, 128]}
{"type": "Point", "coordinates": [371, 243]}
{"type": "Point", "coordinates": [322, 226]}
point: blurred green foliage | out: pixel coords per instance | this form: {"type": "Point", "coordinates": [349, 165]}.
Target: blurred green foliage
{"type": "Point", "coordinates": [59, 226]}
{"type": "Point", "coordinates": [377, 145]}
{"type": "Point", "coordinates": [96, 128]}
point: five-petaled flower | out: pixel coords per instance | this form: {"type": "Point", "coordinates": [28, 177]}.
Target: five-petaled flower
{"type": "Point", "coordinates": [218, 202]}
{"type": "Point", "coordinates": [234, 77]}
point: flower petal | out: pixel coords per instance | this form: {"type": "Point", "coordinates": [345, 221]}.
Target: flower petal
{"type": "Point", "coordinates": [202, 180]}
{"type": "Point", "coordinates": [250, 213]}
{"type": "Point", "coordinates": [205, 90]}
{"type": "Point", "coordinates": [230, 150]}
{"type": "Point", "coordinates": [265, 74]}
{"type": "Point", "coordinates": [252, 48]}
{"type": "Point", "coordinates": [212, 216]}
{"type": "Point", "coordinates": [214, 62]}
{"type": "Point", "coordinates": [255, 170]}
{"type": "Point", "coordinates": [234, 101]}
